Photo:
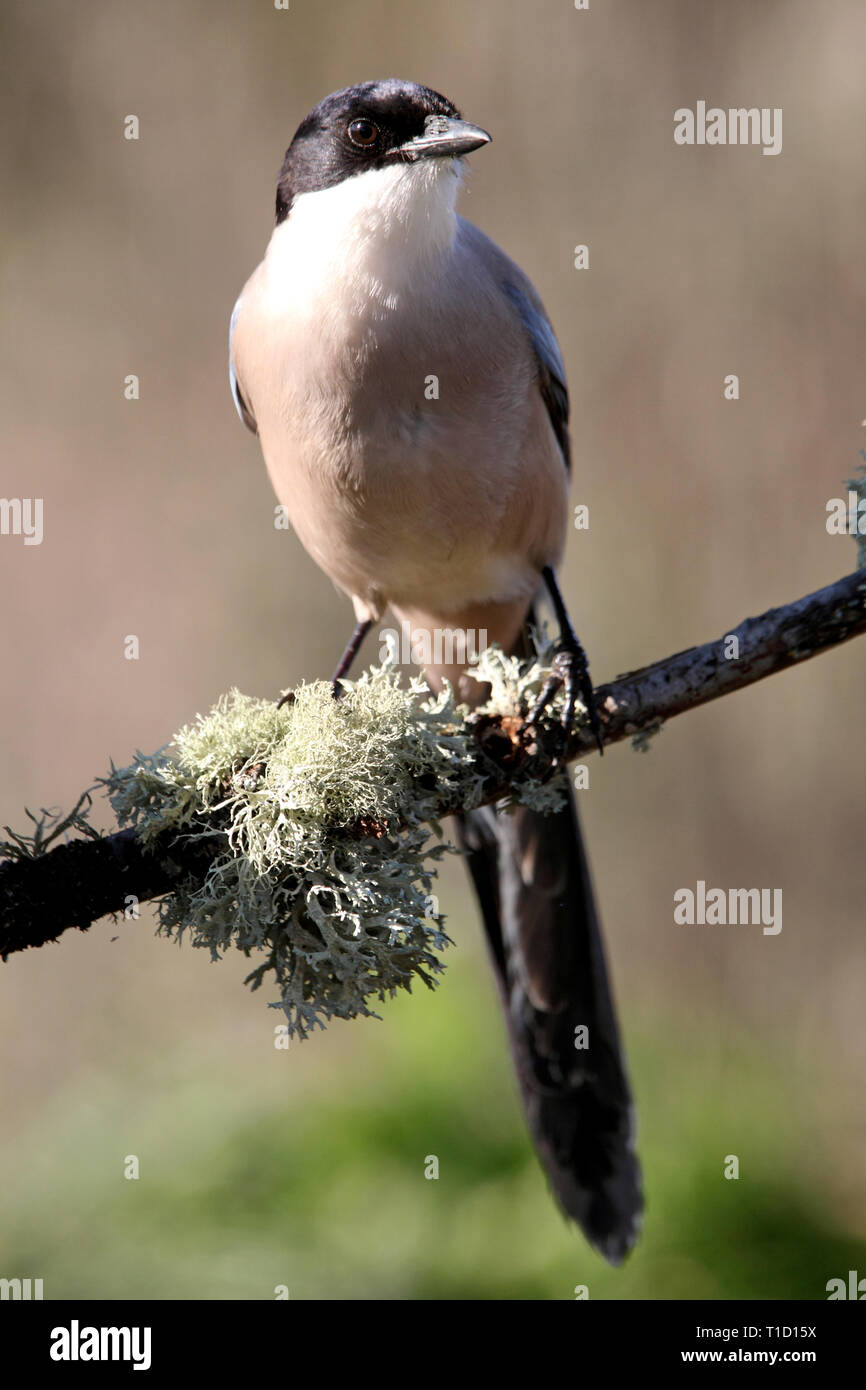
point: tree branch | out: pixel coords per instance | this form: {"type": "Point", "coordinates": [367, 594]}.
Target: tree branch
{"type": "Point", "coordinates": [79, 882]}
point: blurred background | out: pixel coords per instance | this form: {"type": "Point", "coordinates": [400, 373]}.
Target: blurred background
{"type": "Point", "coordinates": [306, 1167]}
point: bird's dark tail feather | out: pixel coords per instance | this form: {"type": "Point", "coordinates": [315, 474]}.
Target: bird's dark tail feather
{"type": "Point", "coordinates": [532, 878]}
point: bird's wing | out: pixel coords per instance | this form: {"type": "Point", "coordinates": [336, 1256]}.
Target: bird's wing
{"type": "Point", "coordinates": [242, 408]}
{"type": "Point", "coordinates": [507, 279]}
{"type": "Point", "coordinates": [551, 368]}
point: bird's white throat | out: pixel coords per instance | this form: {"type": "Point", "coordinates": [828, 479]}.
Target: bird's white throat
{"type": "Point", "coordinates": [373, 232]}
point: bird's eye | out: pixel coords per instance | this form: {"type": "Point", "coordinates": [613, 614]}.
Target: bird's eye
{"type": "Point", "coordinates": [363, 133]}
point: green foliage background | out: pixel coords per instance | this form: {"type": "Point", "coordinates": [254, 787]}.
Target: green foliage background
{"type": "Point", "coordinates": [252, 1177]}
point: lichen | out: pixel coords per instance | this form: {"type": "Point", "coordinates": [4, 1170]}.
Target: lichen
{"type": "Point", "coordinates": [50, 826]}
{"type": "Point", "coordinates": [642, 741]}
{"type": "Point", "coordinates": [322, 812]}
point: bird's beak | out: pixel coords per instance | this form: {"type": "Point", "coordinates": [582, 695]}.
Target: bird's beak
{"type": "Point", "coordinates": [444, 136]}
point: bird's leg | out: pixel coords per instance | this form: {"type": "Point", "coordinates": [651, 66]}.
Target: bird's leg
{"type": "Point", "coordinates": [570, 669]}
{"type": "Point", "coordinates": [361, 630]}
{"type": "Point", "coordinates": [352, 648]}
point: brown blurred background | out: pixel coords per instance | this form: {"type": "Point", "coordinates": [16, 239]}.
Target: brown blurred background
{"type": "Point", "coordinates": [124, 257]}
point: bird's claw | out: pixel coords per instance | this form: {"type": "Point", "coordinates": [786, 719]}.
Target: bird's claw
{"type": "Point", "coordinates": [569, 670]}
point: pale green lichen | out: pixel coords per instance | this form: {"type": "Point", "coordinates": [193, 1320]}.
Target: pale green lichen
{"type": "Point", "coordinates": [514, 682]}
{"type": "Point", "coordinates": [49, 827]}
{"type": "Point", "coordinates": [642, 741]}
{"type": "Point", "coordinates": [322, 812]}
{"type": "Point", "coordinates": [514, 686]}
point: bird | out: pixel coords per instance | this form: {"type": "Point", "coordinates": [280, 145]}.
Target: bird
{"type": "Point", "coordinates": [410, 400]}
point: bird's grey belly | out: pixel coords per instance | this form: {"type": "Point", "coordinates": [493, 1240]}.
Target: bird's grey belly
{"type": "Point", "coordinates": [403, 499]}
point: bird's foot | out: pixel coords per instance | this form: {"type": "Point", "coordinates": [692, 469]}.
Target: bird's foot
{"type": "Point", "coordinates": [569, 670]}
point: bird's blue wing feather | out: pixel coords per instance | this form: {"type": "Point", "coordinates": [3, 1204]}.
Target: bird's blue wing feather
{"type": "Point", "coordinates": [240, 404]}
{"type": "Point", "coordinates": [551, 368]}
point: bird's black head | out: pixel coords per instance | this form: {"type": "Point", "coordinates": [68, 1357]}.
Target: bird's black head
{"type": "Point", "coordinates": [369, 126]}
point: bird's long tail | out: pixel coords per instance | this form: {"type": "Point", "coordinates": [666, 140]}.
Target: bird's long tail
{"type": "Point", "coordinates": [532, 878]}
